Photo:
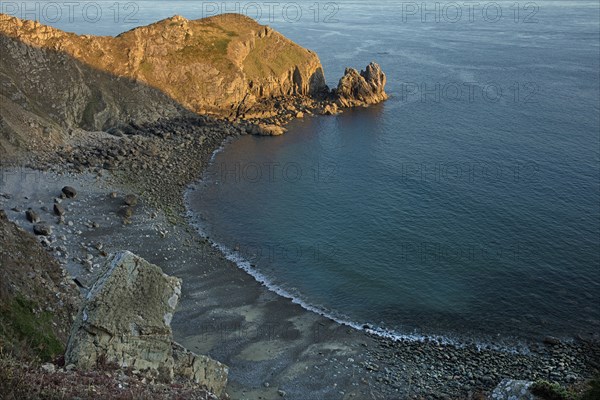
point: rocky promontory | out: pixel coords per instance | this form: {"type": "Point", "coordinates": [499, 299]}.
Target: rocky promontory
{"type": "Point", "coordinates": [227, 66]}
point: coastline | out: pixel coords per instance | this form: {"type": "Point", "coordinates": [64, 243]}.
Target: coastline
{"type": "Point", "coordinates": [270, 343]}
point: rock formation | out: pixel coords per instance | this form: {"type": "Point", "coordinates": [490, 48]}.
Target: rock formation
{"type": "Point", "coordinates": [212, 65]}
{"type": "Point", "coordinates": [361, 89]}
{"type": "Point", "coordinates": [126, 318]}
{"type": "Point", "coordinates": [226, 66]}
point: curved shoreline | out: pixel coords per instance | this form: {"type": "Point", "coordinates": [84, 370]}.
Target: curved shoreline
{"type": "Point", "coordinates": [267, 339]}
{"type": "Point", "coordinates": [517, 346]}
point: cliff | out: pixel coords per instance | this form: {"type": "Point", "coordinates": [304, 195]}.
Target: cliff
{"type": "Point", "coordinates": [210, 65]}
{"type": "Point", "coordinates": [55, 83]}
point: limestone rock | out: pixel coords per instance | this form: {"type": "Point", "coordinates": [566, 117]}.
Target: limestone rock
{"type": "Point", "coordinates": [361, 89]}
{"type": "Point", "coordinates": [126, 320]}
{"type": "Point", "coordinates": [199, 369]}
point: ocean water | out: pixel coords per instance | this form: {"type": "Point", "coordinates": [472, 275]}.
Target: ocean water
{"type": "Point", "coordinates": [466, 207]}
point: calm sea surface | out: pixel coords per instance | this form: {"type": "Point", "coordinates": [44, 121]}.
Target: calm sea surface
{"type": "Point", "coordinates": [466, 206]}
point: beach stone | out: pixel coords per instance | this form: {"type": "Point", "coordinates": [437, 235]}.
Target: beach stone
{"type": "Point", "coordinates": [42, 229]}
{"type": "Point", "coordinates": [32, 216]}
{"type": "Point", "coordinates": [3, 216]}
{"type": "Point", "coordinates": [131, 200]}
{"type": "Point", "coordinates": [126, 212]}
{"type": "Point", "coordinates": [69, 192]}
{"type": "Point", "coordinates": [138, 335]}
{"type": "Point", "coordinates": [58, 209]}
{"type": "Point", "coordinates": [510, 389]}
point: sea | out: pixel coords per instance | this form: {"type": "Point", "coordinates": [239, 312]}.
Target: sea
{"type": "Point", "coordinates": [466, 208]}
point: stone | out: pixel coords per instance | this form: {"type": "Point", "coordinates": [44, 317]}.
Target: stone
{"type": "Point", "coordinates": [42, 229]}
{"type": "Point", "coordinates": [199, 369]}
{"type": "Point", "coordinates": [139, 334]}
{"type": "Point", "coordinates": [361, 89]}
{"type": "Point", "coordinates": [3, 216]}
{"type": "Point", "coordinates": [32, 216]}
{"type": "Point", "coordinates": [59, 210]}
{"type": "Point", "coordinates": [509, 389]}
{"type": "Point", "coordinates": [69, 192]}
{"type": "Point", "coordinates": [126, 212]}
{"type": "Point", "coordinates": [331, 109]}
{"type": "Point", "coordinates": [265, 130]}
{"type": "Point", "coordinates": [49, 368]}
{"type": "Point", "coordinates": [282, 393]}
{"type": "Point", "coordinates": [131, 200]}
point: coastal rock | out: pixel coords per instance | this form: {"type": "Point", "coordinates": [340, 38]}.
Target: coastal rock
{"type": "Point", "coordinates": [32, 216]}
{"type": "Point", "coordinates": [59, 210]}
{"type": "Point", "coordinates": [265, 130]}
{"type": "Point", "coordinates": [131, 200]}
{"type": "Point", "coordinates": [42, 229]}
{"type": "Point", "coordinates": [69, 192]}
{"type": "Point", "coordinates": [361, 89]}
{"type": "Point", "coordinates": [510, 389]}
{"type": "Point", "coordinates": [126, 320]}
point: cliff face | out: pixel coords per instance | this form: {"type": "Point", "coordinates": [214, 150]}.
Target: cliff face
{"type": "Point", "coordinates": [210, 65]}
{"type": "Point", "coordinates": [55, 83]}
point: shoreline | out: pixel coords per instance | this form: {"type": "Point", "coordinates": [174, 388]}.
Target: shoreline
{"type": "Point", "coordinates": [515, 345]}
{"type": "Point", "coordinates": [270, 343]}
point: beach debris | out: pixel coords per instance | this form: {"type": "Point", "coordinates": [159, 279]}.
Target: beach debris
{"type": "Point", "coordinates": [69, 192]}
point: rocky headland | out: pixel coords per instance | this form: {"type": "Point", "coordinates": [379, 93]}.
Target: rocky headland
{"type": "Point", "coordinates": [227, 66]}
{"type": "Point", "coordinates": [123, 125]}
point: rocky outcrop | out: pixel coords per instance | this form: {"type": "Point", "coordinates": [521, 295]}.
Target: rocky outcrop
{"type": "Point", "coordinates": [361, 89]}
{"type": "Point", "coordinates": [212, 65]}
{"type": "Point", "coordinates": [126, 319]}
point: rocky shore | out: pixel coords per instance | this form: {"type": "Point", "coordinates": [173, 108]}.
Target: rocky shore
{"type": "Point", "coordinates": [99, 164]}
{"type": "Point", "coordinates": [271, 345]}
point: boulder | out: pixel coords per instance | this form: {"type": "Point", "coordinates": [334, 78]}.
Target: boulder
{"type": "Point", "coordinates": [42, 229]}
{"type": "Point", "coordinates": [361, 89]}
{"type": "Point", "coordinates": [59, 210]}
{"type": "Point", "coordinates": [510, 389]}
{"type": "Point", "coordinates": [131, 200]}
{"type": "Point", "coordinates": [69, 192]}
{"type": "Point", "coordinates": [265, 130]}
{"type": "Point", "coordinates": [32, 216]}
{"type": "Point", "coordinates": [125, 319]}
